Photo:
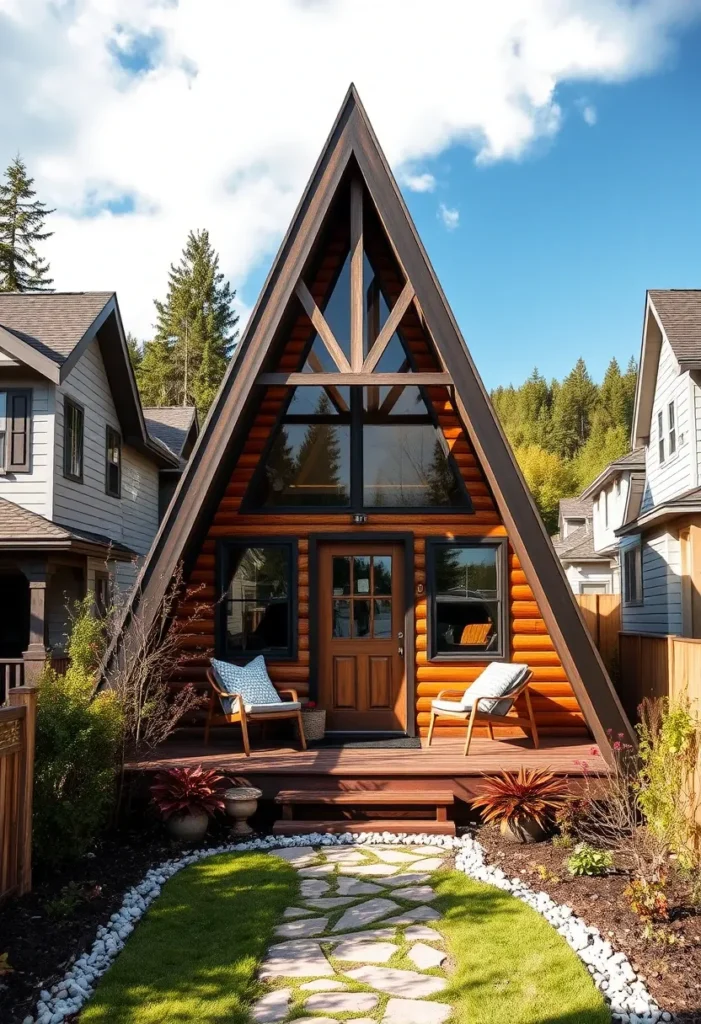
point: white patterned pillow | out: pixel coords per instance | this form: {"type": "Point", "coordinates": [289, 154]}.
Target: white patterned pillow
{"type": "Point", "coordinates": [251, 681]}
{"type": "Point", "coordinates": [498, 680]}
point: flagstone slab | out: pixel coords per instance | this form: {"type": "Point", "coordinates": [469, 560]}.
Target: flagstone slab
{"type": "Point", "coordinates": [392, 981]}
{"type": "Point", "coordinates": [394, 856]}
{"type": "Point", "coordinates": [368, 869]}
{"type": "Point", "coordinates": [296, 912]}
{"type": "Point", "coordinates": [422, 933]}
{"type": "Point", "coordinates": [414, 1011]}
{"type": "Point", "coordinates": [352, 887]}
{"type": "Point", "coordinates": [316, 870]}
{"type": "Point", "coordinates": [415, 893]}
{"type": "Point", "coordinates": [322, 985]}
{"type": "Point", "coordinates": [426, 956]}
{"type": "Point", "coordinates": [411, 878]}
{"type": "Point", "coordinates": [272, 1007]}
{"type": "Point", "coordinates": [371, 935]}
{"type": "Point", "coordinates": [430, 864]}
{"type": "Point", "coordinates": [366, 952]}
{"type": "Point", "coordinates": [364, 914]}
{"type": "Point", "coordinates": [301, 958]}
{"type": "Point", "coordinates": [342, 1002]}
{"type": "Point", "coordinates": [344, 857]}
{"type": "Point", "coordinates": [312, 887]}
{"type": "Point", "coordinates": [303, 929]}
{"type": "Point", "coordinates": [412, 916]}
{"type": "Point", "coordinates": [299, 856]}
{"type": "Point", "coordinates": [430, 851]}
{"type": "Point", "coordinates": [330, 902]}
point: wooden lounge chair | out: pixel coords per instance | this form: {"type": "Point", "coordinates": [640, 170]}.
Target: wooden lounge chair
{"type": "Point", "coordinates": [465, 705]}
{"type": "Point", "coordinates": [243, 713]}
{"type": "Point", "coordinates": [475, 634]}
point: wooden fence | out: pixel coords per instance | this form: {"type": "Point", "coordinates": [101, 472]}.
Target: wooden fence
{"type": "Point", "coordinates": [602, 614]}
{"type": "Point", "coordinates": [17, 722]}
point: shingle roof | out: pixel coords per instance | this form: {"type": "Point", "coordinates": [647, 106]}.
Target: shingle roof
{"type": "Point", "coordinates": [170, 424]}
{"type": "Point", "coordinates": [679, 310]}
{"type": "Point", "coordinates": [578, 547]}
{"type": "Point", "coordinates": [18, 525]}
{"type": "Point", "coordinates": [54, 322]}
{"type": "Point", "coordinates": [575, 508]}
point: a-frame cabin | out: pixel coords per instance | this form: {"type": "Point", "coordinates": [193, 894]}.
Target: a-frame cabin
{"type": "Point", "coordinates": [353, 511]}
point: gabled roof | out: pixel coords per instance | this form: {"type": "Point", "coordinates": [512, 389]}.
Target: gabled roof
{"type": "Point", "coordinates": [353, 140]}
{"type": "Point", "coordinates": [21, 529]}
{"type": "Point", "coordinates": [579, 547]}
{"type": "Point", "coordinates": [172, 425]}
{"type": "Point", "coordinates": [633, 461]}
{"type": "Point", "coordinates": [688, 503]}
{"type": "Point", "coordinates": [49, 332]}
{"type": "Point", "coordinates": [575, 508]}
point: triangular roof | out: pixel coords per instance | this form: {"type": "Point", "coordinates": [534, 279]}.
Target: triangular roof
{"type": "Point", "coordinates": [352, 138]}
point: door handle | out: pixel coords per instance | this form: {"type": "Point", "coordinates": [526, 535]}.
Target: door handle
{"type": "Point", "coordinates": [400, 650]}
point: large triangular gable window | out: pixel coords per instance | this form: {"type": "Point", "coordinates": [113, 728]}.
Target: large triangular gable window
{"type": "Point", "coordinates": [348, 442]}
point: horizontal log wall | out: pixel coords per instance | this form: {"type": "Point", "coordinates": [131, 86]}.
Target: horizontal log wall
{"type": "Point", "coordinates": [554, 703]}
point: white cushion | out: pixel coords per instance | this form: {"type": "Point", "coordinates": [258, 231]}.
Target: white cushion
{"type": "Point", "coordinates": [448, 705]}
{"type": "Point", "coordinates": [498, 680]}
{"type": "Point", "coordinates": [266, 709]}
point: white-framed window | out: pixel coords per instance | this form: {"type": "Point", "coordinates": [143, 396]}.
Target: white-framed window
{"type": "Point", "coordinates": [660, 436]}
{"type": "Point", "coordinates": [632, 573]}
{"type": "Point", "coordinates": [672, 429]}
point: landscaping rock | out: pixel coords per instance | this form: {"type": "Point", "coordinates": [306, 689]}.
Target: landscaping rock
{"type": "Point", "coordinates": [415, 893]}
{"type": "Point", "coordinates": [296, 912]}
{"type": "Point", "coordinates": [366, 952]}
{"type": "Point", "coordinates": [414, 1011]}
{"type": "Point", "coordinates": [364, 914]}
{"type": "Point", "coordinates": [422, 933]}
{"type": "Point", "coordinates": [368, 869]}
{"type": "Point", "coordinates": [426, 957]}
{"type": "Point", "coordinates": [299, 959]}
{"type": "Point", "coordinates": [272, 1007]}
{"type": "Point", "coordinates": [395, 856]}
{"type": "Point", "coordinates": [330, 902]}
{"type": "Point", "coordinates": [342, 1002]}
{"type": "Point", "coordinates": [321, 985]}
{"type": "Point", "coordinates": [371, 935]}
{"type": "Point", "coordinates": [394, 982]}
{"type": "Point", "coordinates": [412, 878]}
{"type": "Point", "coordinates": [412, 916]}
{"type": "Point", "coordinates": [312, 887]}
{"type": "Point", "coordinates": [352, 887]}
{"type": "Point", "coordinates": [303, 929]}
{"type": "Point", "coordinates": [316, 870]}
{"type": "Point", "coordinates": [431, 864]}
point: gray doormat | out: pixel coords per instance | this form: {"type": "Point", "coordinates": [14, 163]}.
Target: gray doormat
{"type": "Point", "coordinates": [391, 743]}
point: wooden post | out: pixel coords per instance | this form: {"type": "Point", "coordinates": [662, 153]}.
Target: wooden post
{"type": "Point", "coordinates": [26, 696]}
{"type": "Point", "coordinates": [36, 654]}
{"type": "Point", "coordinates": [356, 275]}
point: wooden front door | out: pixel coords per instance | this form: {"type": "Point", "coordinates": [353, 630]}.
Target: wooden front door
{"type": "Point", "coordinates": [362, 677]}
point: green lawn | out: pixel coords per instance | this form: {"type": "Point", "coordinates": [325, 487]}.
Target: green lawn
{"type": "Point", "coordinates": [194, 956]}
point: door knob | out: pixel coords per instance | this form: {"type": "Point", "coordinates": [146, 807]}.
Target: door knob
{"type": "Point", "coordinates": [400, 650]}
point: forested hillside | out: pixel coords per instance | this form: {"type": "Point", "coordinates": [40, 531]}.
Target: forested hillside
{"type": "Point", "coordinates": [565, 432]}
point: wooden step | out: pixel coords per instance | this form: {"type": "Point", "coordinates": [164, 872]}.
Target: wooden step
{"type": "Point", "coordinates": [367, 798]}
{"type": "Point", "coordinates": [393, 825]}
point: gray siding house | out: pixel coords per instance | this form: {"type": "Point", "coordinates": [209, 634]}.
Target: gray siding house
{"type": "Point", "coordinates": [84, 469]}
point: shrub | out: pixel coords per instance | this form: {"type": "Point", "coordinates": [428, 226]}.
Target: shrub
{"type": "Point", "coordinates": [648, 900]}
{"type": "Point", "coordinates": [77, 740]}
{"type": "Point", "coordinates": [187, 791]}
{"type": "Point", "coordinates": [587, 860]}
{"type": "Point", "coordinates": [534, 793]}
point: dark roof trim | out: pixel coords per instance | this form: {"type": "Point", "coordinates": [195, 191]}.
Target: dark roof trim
{"type": "Point", "coordinates": [28, 355]}
{"type": "Point", "coordinates": [78, 349]}
{"type": "Point", "coordinates": [352, 134]}
{"type": "Point", "coordinates": [78, 545]}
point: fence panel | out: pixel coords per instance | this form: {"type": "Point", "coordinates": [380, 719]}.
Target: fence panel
{"type": "Point", "coordinates": [17, 723]}
{"type": "Point", "coordinates": [602, 615]}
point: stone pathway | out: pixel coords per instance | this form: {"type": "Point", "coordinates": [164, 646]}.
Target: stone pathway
{"type": "Point", "coordinates": [373, 956]}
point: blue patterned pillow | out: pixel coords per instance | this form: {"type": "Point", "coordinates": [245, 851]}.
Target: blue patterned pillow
{"type": "Point", "coordinates": [251, 681]}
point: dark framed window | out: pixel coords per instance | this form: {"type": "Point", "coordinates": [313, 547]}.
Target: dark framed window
{"type": "Point", "coordinates": [15, 430]}
{"type": "Point", "coordinates": [632, 572]}
{"type": "Point", "coordinates": [113, 462]}
{"type": "Point", "coordinates": [672, 424]}
{"type": "Point", "coordinates": [73, 440]}
{"type": "Point", "coordinates": [467, 593]}
{"type": "Point", "coordinates": [258, 584]}
{"type": "Point", "coordinates": [660, 437]}
{"type": "Point", "coordinates": [103, 594]}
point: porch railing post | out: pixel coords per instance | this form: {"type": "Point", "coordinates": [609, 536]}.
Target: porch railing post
{"type": "Point", "coordinates": [26, 696]}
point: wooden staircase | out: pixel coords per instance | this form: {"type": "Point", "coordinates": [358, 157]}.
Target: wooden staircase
{"type": "Point", "coordinates": [358, 811]}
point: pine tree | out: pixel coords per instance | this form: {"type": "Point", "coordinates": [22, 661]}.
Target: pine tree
{"type": "Point", "coordinates": [135, 351]}
{"type": "Point", "coordinates": [612, 404]}
{"type": "Point", "coordinates": [154, 374]}
{"type": "Point", "coordinates": [195, 326]}
{"type": "Point", "coordinates": [21, 228]}
{"type": "Point", "coordinates": [573, 409]}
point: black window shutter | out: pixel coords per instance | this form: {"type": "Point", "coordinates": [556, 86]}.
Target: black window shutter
{"type": "Point", "coordinates": [19, 430]}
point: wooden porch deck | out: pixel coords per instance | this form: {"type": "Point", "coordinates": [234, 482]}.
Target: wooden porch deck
{"type": "Point", "coordinates": [441, 766]}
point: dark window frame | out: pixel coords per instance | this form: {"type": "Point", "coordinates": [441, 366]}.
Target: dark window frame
{"type": "Point", "coordinates": [225, 547]}
{"type": "Point", "coordinates": [110, 434]}
{"type": "Point", "coordinates": [672, 428]}
{"type": "Point", "coordinates": [103, 598]}
{"type": "Point", "coordinates": [660, 438]}
{"type": "Point", "coordinates": [501, 545]}
{"type": "Point", "coordinates": [20, 465]}
{"type": "Point", "coordinates": [357, 418]}
{"type": "Point", "coordinates": [634, 551]}
{"type": "Point", "coordinates": [70, 403]}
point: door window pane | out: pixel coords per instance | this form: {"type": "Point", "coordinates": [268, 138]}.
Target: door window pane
{"type": "Point", "coordinates": [341, 619]}
{"type": "Point", "coordinates": [406, 465]}
{"type": "Point", "coordinates": [382, 621]}
{"type": "Point", "coordinates": [258, 600]}
{"type": "Point", "coordinates": [361, 619]}
{"type": "Point", "coordinates": [465, 588]}
{"type": "Point", "coordinates": [361, 575]}
{"type": "Point", "coordinates": [341, 569]}
{"type": "Point", "coordinates": [382, 581]}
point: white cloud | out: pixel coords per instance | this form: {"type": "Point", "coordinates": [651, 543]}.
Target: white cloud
{"type": "Point", "coordinates": [589, 114]}
{"type": "Point", "coordinates": [418, 182]}
{"type": "Point", "coordinates": [223, 125]}
{"type": "Point", "coordinates": [449, 215]}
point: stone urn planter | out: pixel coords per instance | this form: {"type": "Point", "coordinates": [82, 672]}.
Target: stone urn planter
{"type": "Point", "coordinates": [189, 827]}
{"type": "Point", "coordinates": [314, 724]}
{"type": "Point", "coordinates": [241, 803]}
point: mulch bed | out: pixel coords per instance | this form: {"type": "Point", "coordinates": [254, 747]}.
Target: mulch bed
{"type": "Point", "coordinates": [44, 931]}
{"type": "Point", "coordinates": [672, 973]}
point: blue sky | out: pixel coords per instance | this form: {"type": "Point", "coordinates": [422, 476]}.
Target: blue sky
{"type": "Point", "coordinates": [553, 253]}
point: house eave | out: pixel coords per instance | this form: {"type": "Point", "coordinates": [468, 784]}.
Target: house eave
{"type": "Point", "coordinates": [661, 514]}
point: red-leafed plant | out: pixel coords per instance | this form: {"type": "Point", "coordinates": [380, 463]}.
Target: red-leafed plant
{"type": "Point", "coordinates": [510, 800]}
{"type": "Point", "coordinates": [187, 791]}
{"type": "Point", "coordinates": [309, 705]}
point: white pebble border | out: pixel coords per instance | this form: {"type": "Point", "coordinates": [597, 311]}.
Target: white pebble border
{"type": "Point", "coordinates": [611, 972]}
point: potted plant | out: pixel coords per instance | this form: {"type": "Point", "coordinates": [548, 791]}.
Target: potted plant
{"type": "Point", "coordinates": [522, 804]}
{"type": "Point", "coordinates": [186, 799]}
{"type": "Point", "coordinates": [313, 721]}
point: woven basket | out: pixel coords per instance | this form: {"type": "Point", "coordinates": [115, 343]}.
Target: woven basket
{"type": "Point", "coordinates": [314, 723]}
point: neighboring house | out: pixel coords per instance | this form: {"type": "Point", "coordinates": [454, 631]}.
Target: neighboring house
{"type": "Point", "coordinates": [590, 553]}
{"type": "Point", "coordinates": [177, 427]}
{"type": "Point", "coordinates": [79, 466]}
{"type": "Point", "coordinates": [660, 547]}
{"type": "Point", "coordinates": [352, 511]}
